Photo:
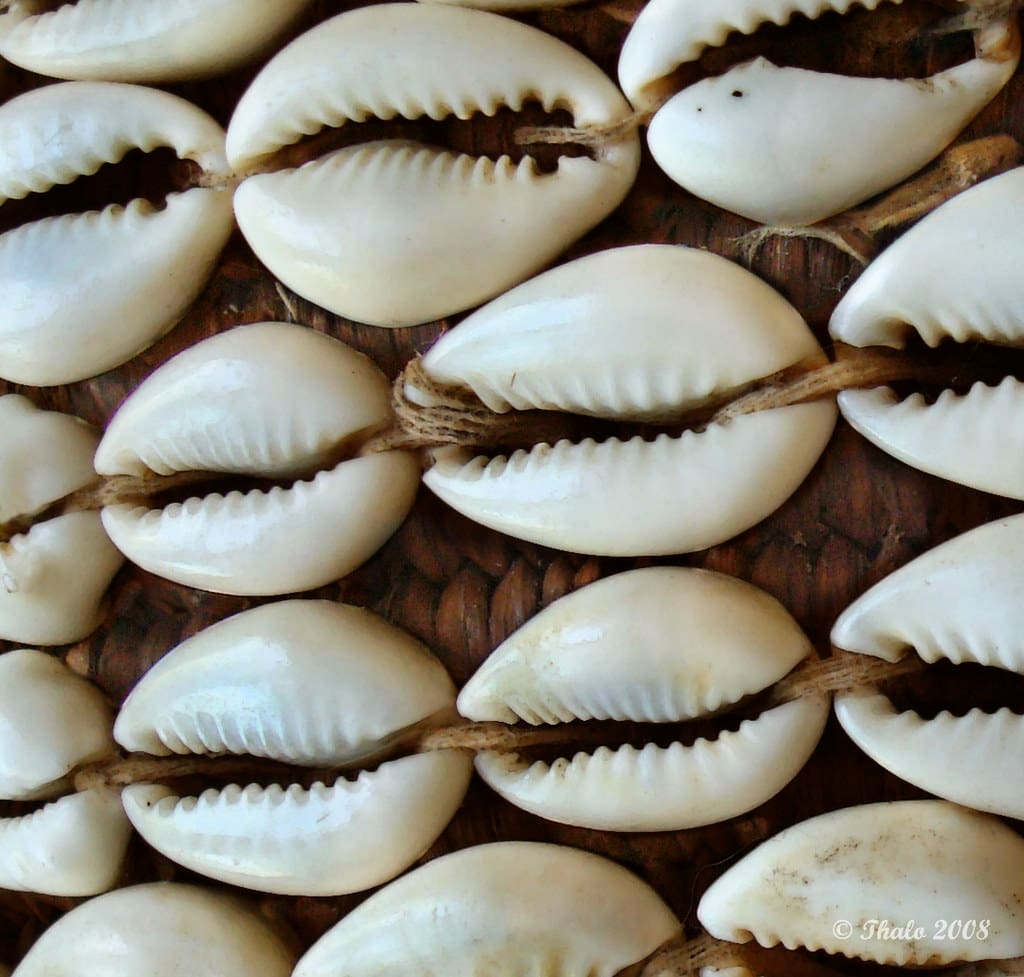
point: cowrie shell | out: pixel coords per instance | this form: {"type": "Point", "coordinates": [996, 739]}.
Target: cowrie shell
{"type": "Point", "coordinates": [699, 326]}
{"type": "Point", "coordinates": [396, 233]}
{"type": "Point", "coordinates": [83, 293]}
{"type": "Point", "coordinates": [162, 929]}
{"type": "Point", "coordinates": [613, 650]}
{"type": "Point", "coordinates": [845, 139]}
{"type": "Point", "coordinates": [506, 910]}
{"type": "Point", "coordinates": [73, 846]}
{"type": "Point", "coordinates": [919, 861]}
{"type": "Point", "coordinates": [959, 601]}
{"type": "Point", "coordinates": [307, 682]}
{"type": "Point", "coordinates": [954, 275]}
{"type": "Point", "coordinates": [273, 400]}
{"type": "Point", "coordinates": [51, 720]}
{"type": "Point", "coordinates": [52, 578]}
{"type": "Point", "coordinates": [136, 41]}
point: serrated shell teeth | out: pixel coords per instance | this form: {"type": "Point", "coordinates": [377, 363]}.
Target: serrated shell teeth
{"type": "Point", "coordinates": [306, 682]}
{"type": "Point", "coordinates": [160, 930]}
{"type": "Point", "coordinates": [52, 578]}
{"type": "Point", "coordinates": [136, 41]}
{"type": "Point", "coordinates": [346, 231]}
{"type": "Point", "coordinates": [699, 327]}
{"type": "Point", "coordinates": [961, 602]}
{"type": "Point", "coordinates": [652, 645]}
{"type": "Point", "coordinates": [73, 846]}
{"type": "Point", "coordinates": [402, 927]}
{"type": "Point", "coordinates": [719, 138]}
{"type": "Point", "coordinates": [273, 400]}
{"type": "Point", "coordinates": [914, 862]}
{"type": "Point", "coordinates": [75, 306]}
{"type": "Point", "coordinates": [955, 275]}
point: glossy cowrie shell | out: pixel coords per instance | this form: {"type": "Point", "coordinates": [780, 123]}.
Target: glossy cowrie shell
{"type": "Point", "coordinates": [843, 139]}
{"type": "Point", "coordinates": [51, 720]}
{"type": "Point", "coordinates": [138, 41]}
{"type": "Point", "coordinates": [83, 293]}
{"type": "Point", "coordinates": [505, 909]}
{"type": "Point", "coordinates": [911, 861]}
{"type": "Point", "coordinates": [699, 327]}
{"type": "Point", "coordinates": [396, 233]}
{"type": "Point", "coordinates": [52, 577]}
{"type": "Point", "coordinates": [162, 929]}
{"type": "Point", "coordinates": [305, 682]}
{"type": "Point", "coordinates": [961, 602]}
{"type": "Point", "coordinates": [954, 275]}
{"type": "Point", "coordinates": [655, 645]}
{"type": "Point", "coordinates": [273, 400]}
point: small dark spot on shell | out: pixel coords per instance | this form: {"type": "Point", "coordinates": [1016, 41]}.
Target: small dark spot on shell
{"type": "Point", "coordinates": [700, 108]}
{"type": "Point", "coordinates": [737, 94]}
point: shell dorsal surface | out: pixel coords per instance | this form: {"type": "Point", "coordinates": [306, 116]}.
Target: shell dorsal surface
{"type": "Point", "coordinates": [905, 862]}
{"type": "Point", "coordinates": [93, 309]}
{"type": "Point", "coordinates": [632, 497]}
{"type": "Point", "coordinates": [135, 41]}
{"type": "Point", "coordinates": [337, 230]}
{"type": "Point", "coordinates": [661, 644]}
{"type": "Point", "coordinates": [51, 720]}
{"type": "Point", "coordinates": [304, 682]}
{"type": "Point", "coordinates": [959, 602]}
{"type": "Point", "coordinates": [275, 400]}
{"type": "Point", "coordinates": [74, 846]}
{"type": "Point", "coordinates": [845, 138]}
{"type": "Point", "coordinates": [507, 910]}
{"type": "Point", "coordinates": [952, 276]}
{"type": "Point", "coordinates": [160, 930]}
{"type": "Point", "coordinates": [52, 578]}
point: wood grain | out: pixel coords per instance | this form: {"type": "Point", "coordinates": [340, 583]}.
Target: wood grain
{"type": "Point", "coordinates": [462, 588]}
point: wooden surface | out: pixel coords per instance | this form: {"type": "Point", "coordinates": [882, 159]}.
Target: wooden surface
{"type": "Point", "coordinates": [462, 589]}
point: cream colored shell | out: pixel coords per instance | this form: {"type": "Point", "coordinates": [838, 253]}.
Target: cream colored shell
{"type": "Point", "coordinates": [73, 846]}
{"type": "Point", "coordinates": [141, 41]}
{"type": "Point", "coordinates": [52, 578]}
{"type": "Point", "coordinates": [509, 6]}
{"type": "Point", "coordinates": [698, 326]}
{"type": "Point", "coordinates": [960, 601]}
{"type": "Point", "coordinates": [397, 233]}
{"type": "Point", "coordinates": [844, 139]}
{"type": "Point", "coordinates": [306, 682]}
{"type": "Point", "coordinates": [502, 910]}
{"type": "Point", "coordinates": [954, 275]}
{"type": "Point", "coordinates": [83, 293]}
{"type": "Point", "coordinates": [920, 861]}
{"type": "Point", "coordinates": [51, 720]}
{"type": "Point", "coordinates": [273, 400]}
{"type": "Point", "coordinates": [661, 644]}
{"type": "Point", "coordinates": [162, 929]}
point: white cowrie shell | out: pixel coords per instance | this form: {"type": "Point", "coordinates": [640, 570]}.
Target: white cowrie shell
{"type": "Point", "coordinates": [660, 644]}
{"type": "Point", "coordinates": [919, 861]}
{"type": "Point", "coordinates": [163, 929]}
{"type": "Point", "coordinates": [269, 399]}
{"type": "Point", "coordinates": [52, 578]}
{"type": "Point", "coordinates": [83, 293]}
{"type": "Point", "coordinates": [51, 720]}
{"type": "Point", "coordinates": [504, 910]}
{"type": "Point", "coordinates": [306, 682]}
{"type": "Point", "coordinates": [721, 139]}
{"type": "Point", "coordinates": [699, 326]}
{"type": "Point", "coordinates": [73, 846]}
{"type": "Point", "coordinates": [138, 41]}
{"type": "Point", "coordinates": [508, 6]}
{"type": "Point", "coordinates": [347, 231]}
{"type": "Point", "coordinates": [959, 601]}
{"type": "Point", "coordinates": [955, 275]}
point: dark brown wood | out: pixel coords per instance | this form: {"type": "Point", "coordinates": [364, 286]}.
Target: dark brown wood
{"type": "Point", "coordinates": [462, 589]}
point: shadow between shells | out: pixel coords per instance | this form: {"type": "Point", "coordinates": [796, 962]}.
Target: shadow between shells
{"type": "Point", "coordinates": [462, 589]}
